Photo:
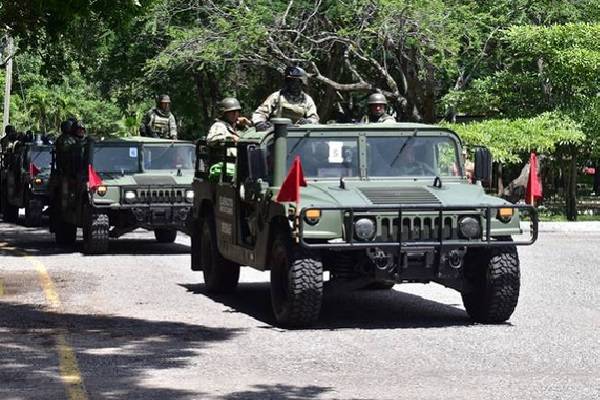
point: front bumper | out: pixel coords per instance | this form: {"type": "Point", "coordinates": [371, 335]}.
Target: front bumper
{"type": "Point", "coordinates": [437, 240]}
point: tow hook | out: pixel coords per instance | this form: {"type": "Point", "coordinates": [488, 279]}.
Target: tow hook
{"type": "Point", "coordinates": [455, 258]}
{"type": "Point", "coordinates": [381, 260]}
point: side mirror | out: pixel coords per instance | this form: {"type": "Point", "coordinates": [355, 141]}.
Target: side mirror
{"type": "Point", "coordinates": [483, 165]}
{"type": "Point", "coordinates": [257, 163]}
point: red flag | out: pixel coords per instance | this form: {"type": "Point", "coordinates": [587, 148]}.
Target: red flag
{"type": "Point", "coordinates": [33, 170]}
{"type": "Point", "coordinates": [290, 188]}
{"type": "Point", "coordinates": [94, 179]}
{"type": "Point", "coordinates": [534, 186]}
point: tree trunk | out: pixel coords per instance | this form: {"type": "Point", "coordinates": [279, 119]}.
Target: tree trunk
{"type": "Point", "coordinates": [571, 194]}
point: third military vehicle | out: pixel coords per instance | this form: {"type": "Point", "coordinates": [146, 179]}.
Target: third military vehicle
{"type": "Point", "coordinates": [24, 181]}
{"type": "Point", "coordinates": [379, 204]}
{"type": "Point", "coordinates": [112, 187]}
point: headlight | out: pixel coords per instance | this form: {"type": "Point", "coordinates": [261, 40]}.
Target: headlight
{"type": "Point", "coordinates": [469, 227]}
{"type": "Point", "coordinates": [312, 216]}
{"type": "Point", "coordinates": [364, 229]}
{"type": "Point", "coordinates": [189, 196]}
{"type": "Point", "coordinates": [129, 195]}
{"type": "Point", "coordinates": [505, 214]}
{"type": "Point", "coordinates": [38, 181]}
{"type": "Point", "coordinates": [101, 190]}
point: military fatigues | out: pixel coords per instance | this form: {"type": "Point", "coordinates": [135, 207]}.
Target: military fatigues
{"type": "Point", "coordinates": [64, 145]}
{"type": "Point", "coordinates": [284, 105]}
{"type": "Point", "coordinates": [220, 132]}
{"type": "Point", "coordinates": [157, 123]}
{"type": "Point", "coordinates": [384, 119]}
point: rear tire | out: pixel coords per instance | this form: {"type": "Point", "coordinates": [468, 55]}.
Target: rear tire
{"type": "Point", "coordinates": [33, 213]}
{"type": "Point", "coordinates": [492, 281]}
{"type": "Point", "coordinates": [95, 234]}
{"type": "Point", "coordinates": [165, 235]}
{"type": "Point", "coordinates": [220, 275]}
{"type": "Point", "coordinates": [296, 284]}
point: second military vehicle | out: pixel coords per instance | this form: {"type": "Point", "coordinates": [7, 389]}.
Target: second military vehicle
{"type": "Point", "coordinates": [24, 181]}
{"type": "Point", "coordinates": [114, 186]}
{"type": "Point", "coordinates": [379, 204]}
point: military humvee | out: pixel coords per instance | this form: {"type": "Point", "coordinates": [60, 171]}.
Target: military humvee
{"type": "Point", "coordinates": [24, 181]}
{"type": "Point", "coordinates": [115, 186]}
{"type": "Point", "coordinates": [383, 204]}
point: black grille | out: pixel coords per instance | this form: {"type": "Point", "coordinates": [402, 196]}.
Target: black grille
{"type": "Point", "coordinates": [164, 195]}
{"type": "Point", "coordinates": [418, 228]}
{"type": "Point", "coordinates": [409, 195]}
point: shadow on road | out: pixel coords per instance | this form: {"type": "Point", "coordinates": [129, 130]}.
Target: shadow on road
{"type": "Point", "coordinates": [279, 392]}
{"type": "Point", "coordinates": [377, 309]}
{"type": "Point", "coordinates": [114, 353]}
{"type": "Point", "coordinates": [40, 242]}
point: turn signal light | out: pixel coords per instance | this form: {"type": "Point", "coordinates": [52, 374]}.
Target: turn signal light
{"type": "Point", "coordinates": [38, 181]}
{"type": "Point", "coordinates": [505, 214]}
{"type": "Point", "coordinates": [312, 216]}
{"type": "Point", "coordinates": [101, 190]}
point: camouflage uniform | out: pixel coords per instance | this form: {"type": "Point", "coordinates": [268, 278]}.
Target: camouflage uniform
{"type": "Point", "coordinates": [222, 131]}
{"type": "Point", "coordinates": [157, 123]}
{"type": "Point", "coordinates": [384, 119]}
{"type": "Point", "coordinates": [285, 105]}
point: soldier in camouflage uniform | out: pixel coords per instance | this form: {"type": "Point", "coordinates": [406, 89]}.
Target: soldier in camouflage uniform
{"type": "Point", "coordinates": [10, 135]}
{"type": "Point", "coordinates": [225, 128]}
{"type": "Point", "coordinates": [377, 104]}
{"type": "Point", "coordinates": [72, 133]}
{"type": "Point", "coordinates": [290, 102]}
{"type": "Point", "coordinates": [159, 121]}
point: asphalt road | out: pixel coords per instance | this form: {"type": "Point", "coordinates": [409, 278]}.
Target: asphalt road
{"type": "Point", "coordinates": [138, 324]}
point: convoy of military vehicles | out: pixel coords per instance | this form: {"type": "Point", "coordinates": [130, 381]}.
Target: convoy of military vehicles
{"type": "Point", "coordinates": [373, 205]}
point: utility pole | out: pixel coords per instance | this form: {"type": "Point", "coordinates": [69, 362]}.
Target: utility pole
{"type": "Point", "coordinates": [8, 83]}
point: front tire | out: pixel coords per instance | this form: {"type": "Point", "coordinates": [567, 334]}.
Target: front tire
{"type": "Point", "coordinates": [165, 235]}
{"type": "Point", "coordinates": [296, 284]}
{"type": "Point", "coordinates": [492, 281]}
{"type": "Point", "coordinates": [95, 234]}
{"type": "Point", "coordinates": [220, 274]}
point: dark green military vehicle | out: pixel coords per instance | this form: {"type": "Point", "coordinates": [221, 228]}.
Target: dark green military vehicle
{"type": "Point", "coordinates": [383, 204]}
{"type": "Point", "coordinates": [24, 181]}
{"type": "Point", "coordinates": [116, 186]}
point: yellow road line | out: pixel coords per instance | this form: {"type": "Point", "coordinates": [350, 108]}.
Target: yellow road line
{"type": "Point", "coordinates": [67, 360]}
{"type": "Point", "coordinates": [1, 287]}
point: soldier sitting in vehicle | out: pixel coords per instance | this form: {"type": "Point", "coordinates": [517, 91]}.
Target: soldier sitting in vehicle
{"type": "Point", "coordinates": [159, 121]}
{"type": "Point", "coordinates": [289, 102]}
{"type": "Point", "coordinates": [226, 129]}
{"type": "Point", "coordinates": [10, 135]}
{"type": "Point", "coordinates": [377, 104]}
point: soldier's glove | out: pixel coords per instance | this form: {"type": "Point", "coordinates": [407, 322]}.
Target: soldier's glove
{"type": "Point", "coordinates": [243, 122]}
{"type": "Point", "coordinates": [304, 121]}
{"type": "Point", "coordinates": [263, 126]}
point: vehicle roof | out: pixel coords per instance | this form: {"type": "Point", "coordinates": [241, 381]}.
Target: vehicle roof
{"type": "Point", "coordinates": [140, 139]}
{"type": "Point", "coordinates": [370, 126]}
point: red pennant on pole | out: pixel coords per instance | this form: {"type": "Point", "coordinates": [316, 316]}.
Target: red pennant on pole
{"type": "Point", "coordinates": [94, 179]}
{"type": "Point", "coordinates": [534, 186]}
{"type": "Point", "coordinates": [33, 170]}
{"type": "Point", "coordinates": [290, 188]}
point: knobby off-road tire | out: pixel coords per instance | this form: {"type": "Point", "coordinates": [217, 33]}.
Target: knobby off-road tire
{"type": "Point", "coordinates": [196, 236]}
{"type": "Point", "coordinates": [95, 234]}
{"type": "Point", "coordinates": [493, 281]}
{"type": "Point", "coordinates": [296, 284]}
{"type": "Point", "coordinates": [220, 275]}
{"type": "Point", "coordinates": [33, 213]}
{"type": "Point", "coordinates": [165, 235]}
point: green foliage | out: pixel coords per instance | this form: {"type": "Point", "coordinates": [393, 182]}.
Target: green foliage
{"type": "Point", "coordinates": [509, 139]}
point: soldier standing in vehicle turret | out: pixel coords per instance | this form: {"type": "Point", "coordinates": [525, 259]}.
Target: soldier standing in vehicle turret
{"type": "Point", "coordinates": [225, 128]}
{"type": "Point", "coordinates": [377, 104]}
{"type": "Point", "coordinates": [289, 102]}
{"type": "Point", "coordinates": [159, 121]}
{"type": "Point", "coordinates": [72, 133]}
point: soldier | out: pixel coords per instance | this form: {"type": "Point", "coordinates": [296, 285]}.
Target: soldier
{"type": "Point", "coordinates": [377, 104]}
{"type": "Point", "coordinates": [10, 135]}
{"type": "Point", "coordinates": [159, 121]}
{"type": "Point", "coordinates": [225, 128]}
{"type": "Point", "coordinates": [72, 133]}
{"type": "Point", "coordinates": [289, 102]}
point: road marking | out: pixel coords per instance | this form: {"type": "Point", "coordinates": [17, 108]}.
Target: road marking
{"type": "Point", "coordinates": [67, 360]}
{"type": "Point", "coordinates": [1, 287]}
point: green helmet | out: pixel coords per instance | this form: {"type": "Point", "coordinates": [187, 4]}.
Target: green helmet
{"type": "Point", "coordinates": [164, 98]}
{"type": "Point", "coordinates": [377, 98]}
{"type": "Point", "coordinates": [230, 104]}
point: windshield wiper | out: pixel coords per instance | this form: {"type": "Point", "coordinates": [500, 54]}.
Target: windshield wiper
{"type": "Point", "coordinates": [411, 137]}
{"type": "Point", "coordinates": [298, 143]}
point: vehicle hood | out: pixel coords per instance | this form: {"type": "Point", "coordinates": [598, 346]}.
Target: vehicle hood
{"type": "Point", "coordinates": [370, 193]}
{"type": "Point", "coordinates": [149, 178]}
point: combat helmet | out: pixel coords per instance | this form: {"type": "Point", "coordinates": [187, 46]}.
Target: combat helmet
{"type": "Point", "coordinates": [229, 104]}
{"type": "Point", "coordinates": [377, 98]}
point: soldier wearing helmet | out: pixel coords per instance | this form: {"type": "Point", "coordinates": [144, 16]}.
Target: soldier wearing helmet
{"type": "Point", "coordinates": [377, 104]}
{"type": "Point", "coordinates": [72, 133]}
{"type": "Point", "coordinates": [159, 121]}
{"type": "Point", "coordinates": [289, 102]}
{"type": "Point", "coordinates": [226, 127]}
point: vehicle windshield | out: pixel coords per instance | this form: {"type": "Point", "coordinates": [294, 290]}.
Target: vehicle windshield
{"type": "Point", "coordinates": [412, 156]}
{"type": "Point", "coordinates": [325, 157]}
{"type": "Point", "coordinates": [169, 156]}
{"type": "Point", "coordinates": [41, 157]}
{"type": "Point", "coordinates": [116, 159]}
